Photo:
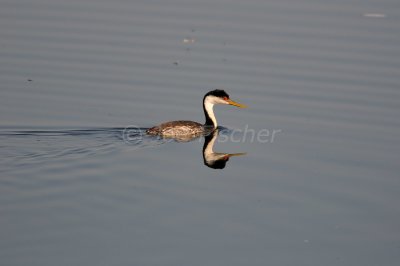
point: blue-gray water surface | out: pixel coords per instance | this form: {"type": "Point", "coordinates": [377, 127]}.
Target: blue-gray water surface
{"type": "Point", "coordinates": [316, 180]}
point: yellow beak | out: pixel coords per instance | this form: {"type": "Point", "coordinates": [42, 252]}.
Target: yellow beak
{"type": "Point", "coordinates": [237, 154]}
{"type": "Point", "coordinates": [236, 104]}
{"type": "Point", "coordinates": [229, 155]}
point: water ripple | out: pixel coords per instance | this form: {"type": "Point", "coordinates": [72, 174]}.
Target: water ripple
{"type": "Point", "coordinates": [20, 147]}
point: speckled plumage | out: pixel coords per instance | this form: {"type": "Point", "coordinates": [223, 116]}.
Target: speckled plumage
{"type": "Point", "coordinates": [177, 128]}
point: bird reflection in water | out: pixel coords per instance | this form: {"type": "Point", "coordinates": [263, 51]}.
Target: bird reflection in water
{"type": "Point", "coordinates": [216, 160]}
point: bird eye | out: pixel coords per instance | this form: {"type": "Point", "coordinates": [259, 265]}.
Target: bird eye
{"type": "Point", "coordinates": [226, 98]}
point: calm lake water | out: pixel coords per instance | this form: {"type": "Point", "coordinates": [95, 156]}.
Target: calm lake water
{"type": "Point", "coordinates": [81, 184]}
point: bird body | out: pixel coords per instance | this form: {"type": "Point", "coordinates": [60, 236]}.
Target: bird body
{"type": "Point", "coordinates": [180, 127]}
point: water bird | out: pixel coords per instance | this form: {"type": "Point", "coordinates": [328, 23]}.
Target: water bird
{"type": "Point", "coordinates": [190, 128]}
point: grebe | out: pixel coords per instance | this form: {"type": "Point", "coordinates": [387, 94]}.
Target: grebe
{"type": "Point", "coordinates": [183, 127]}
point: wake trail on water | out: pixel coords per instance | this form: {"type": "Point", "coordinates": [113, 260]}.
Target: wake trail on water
{"type": "Point", "coordinates": [32, 146]}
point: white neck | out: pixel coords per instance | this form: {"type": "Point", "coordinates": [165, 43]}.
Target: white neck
{"type": "Point", "coordinates": [209, 109]}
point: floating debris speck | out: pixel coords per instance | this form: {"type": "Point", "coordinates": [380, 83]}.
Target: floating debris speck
{"type": "Point", "coordinates": [188, 40]}
{"type": "Point", "coordinates": [374, 15]}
